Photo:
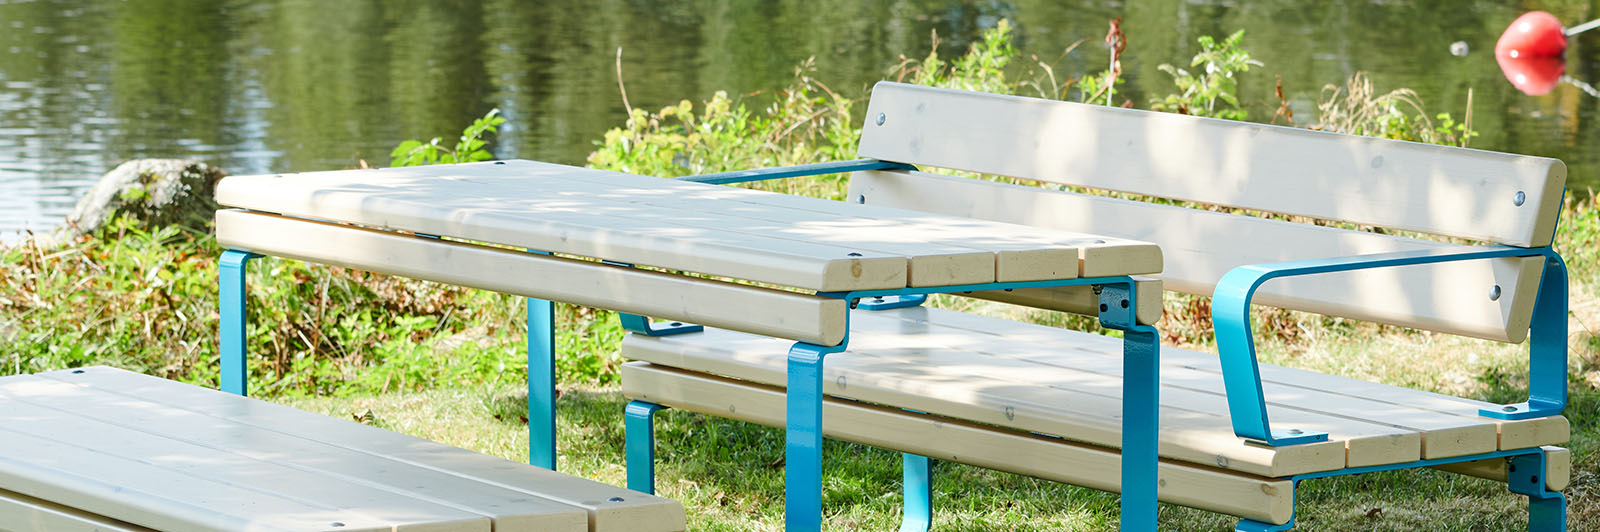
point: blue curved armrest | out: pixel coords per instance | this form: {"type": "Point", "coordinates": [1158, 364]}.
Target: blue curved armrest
{"type": "Point", "coordinates": [1230, 303]}
{"type": "Point", "coordinates": [763, 174]}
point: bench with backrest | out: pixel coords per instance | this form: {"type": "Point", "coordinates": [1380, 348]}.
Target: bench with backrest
{"type": "Point", "coordinates": [1043, 401]}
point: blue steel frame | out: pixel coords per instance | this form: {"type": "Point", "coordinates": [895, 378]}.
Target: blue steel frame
{"type": "Point", "coordinates": [803, 433]}
{"type": "Point", "coordinates": [541, 353]}
{"type": "Point", "coordinates": [1547, 367]}
{"type": "Point", "coordinates": [1547, 510]}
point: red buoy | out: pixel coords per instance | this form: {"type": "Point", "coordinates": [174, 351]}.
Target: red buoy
{"type": "Point", "coordinates": [1529, 52]}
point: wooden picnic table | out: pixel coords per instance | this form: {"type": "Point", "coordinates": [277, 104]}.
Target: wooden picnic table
{"type": "Point", "coordinates": [740, 259]}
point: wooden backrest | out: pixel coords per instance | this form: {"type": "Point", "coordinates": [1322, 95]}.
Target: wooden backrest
{"type": "Point", "coordinates": [1440, 190]}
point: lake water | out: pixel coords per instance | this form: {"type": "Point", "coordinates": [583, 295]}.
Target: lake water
{"type": "Point", "coordinates": [294, 85]}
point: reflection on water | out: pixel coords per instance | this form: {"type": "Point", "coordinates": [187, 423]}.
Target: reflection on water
{"type": "Point", "coordinates": [291, 85]}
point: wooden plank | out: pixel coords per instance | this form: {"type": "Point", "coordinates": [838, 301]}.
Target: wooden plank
{"type": "Point", "coordinates": [759, 310]}
{"type": "Point", "coordinates": [506, 508]}
{"type": "Point", "coordinates": [43, 454]}
{"type": "Point", "coordinates": [1557, 473]}
{"type": "Point", "coordinates": [1201, 246]}
{"type": "Point", "coordinates": [861, 224]}
{"type": "Point", "coordinates": [966, 391]}
{"type": "Point", "coordinates": [1386, 400]}
{"type": "Point", "coordinates": [635, 511]}
{"type": "Point", "coordinates": [408, 199]}
{"type": "Point", "coordinates": [1404, 185]}
{"type": "Point", "coordinates": [1079, 299]}
{"type": "Point", "coordinates": [945, 439]}
{"type": "Point", "coordinates": [22, 513]}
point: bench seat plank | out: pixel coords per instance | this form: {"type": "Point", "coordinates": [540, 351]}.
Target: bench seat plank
{"type": "Point", "coordinates": [956, 441]}
{"type": "Point", "coordinates": [766, 311]}
{"type": "Point", "coordinates": [605, 512]}
{"type": "Point", "coordinates": [1513, 434]}
{"type": "Point", "coordinates": [909, 358]}
{"type": "Point", "coordinates": [1201, 246]}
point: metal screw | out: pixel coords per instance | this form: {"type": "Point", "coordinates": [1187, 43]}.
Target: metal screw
{"type": "Point", "coordinates": [1011, 413]}
{"type": "Point", "coordinates": [878, 299]}
{"type": "Point", "coordinates": [861, 198]}
{"type": "Point", "coordinates": [1508, 409]}
{"type": "Point", "coordinates": [853, 254]}
{"type": "Point", "coordinates": [1494, 293]}
{"type": "Point", "coordinates": [1520, 198]}
{"type": "Point", "coordinates": [499, 162]}
{"type": "Point", "coordinates": [77, 371]}
{"type": "Point", "coordinates": [677, 324]}
{"type": "Point", "coordinates": [881, 118]}
{"type": "Point", "coordinates": [615, 499]}
{"type": "Point", "coordinates": [1295, 432]}
{"type": "Point", "coordinates": [840, 381]}
{"type": "Point", "coordinates": [1124, 303]}
{"type": "Point", "coordinates": [1099, 241]}
{"type": "Point", "coordinates": [1104, 308]}
{"type": "Point", "coordinates": [336, 524]}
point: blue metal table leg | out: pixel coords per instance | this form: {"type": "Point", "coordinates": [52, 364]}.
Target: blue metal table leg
{"type": "Point", "coordinates": [231, 297]}
{"type": "Point", "coordinates": [541, 384]}
{"type": "Point", "coordinates": [1140, 410]}
{"type": "Point", "coordinates": [917, 515]}
{"type": "Point", "coordinates": [802, 468]}
{"type": "Point", "coordinates": [640, 433]}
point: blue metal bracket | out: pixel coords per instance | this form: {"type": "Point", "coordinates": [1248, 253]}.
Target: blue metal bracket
{"type": "Point", "coordinates": [233, 319]}
{"type": "Point", "coordinates": [639, 431]}
{"type": "Point", "coordinates": [891, 302]}
{"type": "Point", "coordinates": [763, 174]}
{"type": "Point", "coordinates": [1141, 404]}
{"type": "Point", "coordinates": [802, 468]}
{"type": "Point", "coordinates": [643, 325]}
{"type": "Point", "coordinates": [1242, 375]}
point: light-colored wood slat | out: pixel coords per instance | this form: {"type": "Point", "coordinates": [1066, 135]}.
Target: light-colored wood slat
{"type": "Point", "coordinates": [1557, 473]}
{"type": "Point", "coordinates": [864, 225]}
{"type": "Point", "coordinates": [1390, 400]}
{"type": "Point", "coordinates": [634, 512]}
{"type": "Point", "coordinates": [965, 391]}
{"type": "Point", "coordinates": [1079, 299]}
{"type": "Point", "coordinates": [469, 211]}
{"type": "Point", "coordinates": [508, 509]}
{"type": "Point", "coordinates": [21, 513]}
{"type": "Point", "coordinates": [163, 484]}
{"type": "Point", "coordinates": [1404, 185]}
{"type": "Point", "coordinates": [1201, 246]}
{"type": "Point", "coordinates": [759, 310]}
{"type": "Point", "coordinates": [945, 439]}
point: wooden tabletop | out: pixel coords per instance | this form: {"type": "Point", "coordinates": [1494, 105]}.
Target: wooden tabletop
{"type": "Point", "coordinates": [722, 231]}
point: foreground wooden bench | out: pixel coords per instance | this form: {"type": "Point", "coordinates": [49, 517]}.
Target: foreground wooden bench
{"type": "Point", "coordinates": [105, 449]}
{"type": "Point", "coordinates": [1043, 401]}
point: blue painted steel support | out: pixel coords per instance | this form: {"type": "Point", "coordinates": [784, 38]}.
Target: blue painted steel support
{"type": "Point", "coordinates": [541, 384]}
{"type": "Point", "coordinates": [640, 433]}
{"type": "Point", "coordinates": [231, 297]}
{"type": "Point", "coordinates": [763, 174]}
{"type": "Point", "coordinates": [891, 302]}
{"type": "Point", "coordinates": [643, 325]}
{"type": "Point", "coordinates": [1547, 510]}
{"type": "Point", "coordinates": [917, 481]}
{"type": "Point", "coordinates": [1141, 377]}
{"type": "Point", "coordinates": [802, 469]}
{"type": "Point", "coordinates": [1241, 374]}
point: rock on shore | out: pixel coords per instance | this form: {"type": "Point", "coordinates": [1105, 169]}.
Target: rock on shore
{"type": "Point", "coordinates": [157, 192]}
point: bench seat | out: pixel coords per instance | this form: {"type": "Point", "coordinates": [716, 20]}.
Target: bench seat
{"type": "Point", "coordinates": [105, 449]}
{"type": "Point", "coordinates": [1054, 383]}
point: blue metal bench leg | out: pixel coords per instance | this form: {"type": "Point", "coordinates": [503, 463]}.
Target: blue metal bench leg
{"type": "Point", "coordinates": [917, 478]}
{"type": "Point", "coordinates": [231, 297]}
{"type": "Point", "coordinates": [1547, 510]}
{"type": "Point", "coordinates": [638, 425]}
{"type": "Point", "coordinates": [802, 497]}
{"type": "Point", "coordinates": [541, 384]}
